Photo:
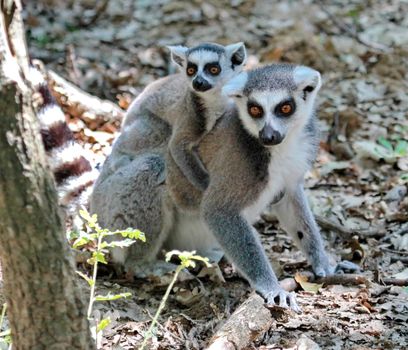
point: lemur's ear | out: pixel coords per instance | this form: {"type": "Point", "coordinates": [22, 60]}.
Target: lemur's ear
{"type": "Point", "coordinates": [236, 53]}
{"type": "Point", "coordinates": [178, 54]}
{"type": "Point", "coordinates": [235, 86]}
{"type": "Point", "coordinates": [307, 80]}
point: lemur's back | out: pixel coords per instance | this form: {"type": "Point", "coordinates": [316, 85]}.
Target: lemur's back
{"type": "Point", "coordinates": [162, 98]}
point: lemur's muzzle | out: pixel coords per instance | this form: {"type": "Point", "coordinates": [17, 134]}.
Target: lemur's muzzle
{"type": "Point", "coordinates": [200, 84]}
{"type": "Point", "coordinates": [270, 137]}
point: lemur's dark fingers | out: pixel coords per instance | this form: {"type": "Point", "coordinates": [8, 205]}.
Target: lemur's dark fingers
{"type": "Point", "coordinates": [283, 299]}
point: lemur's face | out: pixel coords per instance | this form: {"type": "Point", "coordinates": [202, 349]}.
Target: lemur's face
{"type": "Point", "coordinates": [209, 66]}
{"type": "Point", "coordinates": [275, 100]}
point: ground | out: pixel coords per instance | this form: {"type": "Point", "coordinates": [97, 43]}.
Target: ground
{"type": "Point", "coordinates": [358, 187]}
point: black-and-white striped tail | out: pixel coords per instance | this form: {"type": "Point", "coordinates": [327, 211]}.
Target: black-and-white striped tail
{"type": "Point", "coordinates": [73, 172]}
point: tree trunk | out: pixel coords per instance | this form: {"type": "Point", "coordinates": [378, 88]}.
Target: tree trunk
{"type": "Point", "coordinates": [46, 309]}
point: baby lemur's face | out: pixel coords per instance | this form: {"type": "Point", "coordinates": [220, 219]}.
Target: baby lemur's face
{"type": "Point", "coordinates": [274, 100]}
{"type": "Point", "coordinates": [209, 66]}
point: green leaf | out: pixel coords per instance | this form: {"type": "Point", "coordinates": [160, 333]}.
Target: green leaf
{"type": "Point", "coordinates": [188, 258]}
{"type": "Point", "coordinates": [90, 220]}
{"type": "Point", "coordinates": [384, 142]}
{"type": "Point", "coordinates": [128, 233]}
{"type": "Point", "coordinates": [133, 234]}
{"type": "Point", "coordinates": [110, 297]}
{"type": "Point", "coordinates": [120, 244]}
{"type": "Point", "coordinates": [401, 148]}
{"type": "Point", "coordinates": [99, 257]}
{"type": "Point", "coordinates": [74, 234]}
{"type": "Point", "coordinates": [86, 278]}
{"type": "Point", "coordinates": [354, 13]}
{"type": "Point", "coordinates": [80, 241]}
{"type": "Point", "coordinates": [103, 324]}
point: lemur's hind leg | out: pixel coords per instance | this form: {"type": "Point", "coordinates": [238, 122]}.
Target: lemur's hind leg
{"type": "Point", "coordinates": [133, 197]}
{"type": "Point", "coordinates": [296, 218]}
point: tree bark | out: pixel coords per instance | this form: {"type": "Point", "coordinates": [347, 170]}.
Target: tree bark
{"type": "Point", "coordinates": [46, 309]}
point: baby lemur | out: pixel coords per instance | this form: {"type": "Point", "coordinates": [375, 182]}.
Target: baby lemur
{"type": "Point", "coordinates": [180, 107]}
{"type": "Point", "coordinates": [258, 153]}
{"type": "Point", "coordinates": [191, 101]}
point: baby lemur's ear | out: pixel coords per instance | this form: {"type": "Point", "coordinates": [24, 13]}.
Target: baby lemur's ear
{"type": "Point", "coordinates": [235, 86]}
{"type": "Point", "coordinates": [307, 80]}
{"type": "Point", "coordinates": [236, 53]}
{"type": "Point", "coordinates": [178, 54]}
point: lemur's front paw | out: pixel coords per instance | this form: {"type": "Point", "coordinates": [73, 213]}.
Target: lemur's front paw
{"type": "Point", "coordinates": [282, 298]}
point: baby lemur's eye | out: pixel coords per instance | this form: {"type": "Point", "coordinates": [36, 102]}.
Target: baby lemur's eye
{"type": "Point", "coordinates": [255, 111]}
{"type": "Point", "coordinates": [191, 70]}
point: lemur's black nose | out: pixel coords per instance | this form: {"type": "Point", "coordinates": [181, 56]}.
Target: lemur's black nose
{"type": "Point", "coordinates": [200, 84]}
{"type": "Point", "coordinates": [270, 136]}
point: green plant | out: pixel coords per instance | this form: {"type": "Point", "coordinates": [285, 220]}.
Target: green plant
{"type": "Point", "coordinates": [5, 336]}
{"type": "Point", "coordinates": [187, 259]}
{"type": "Point", "coordinates": [398, 148]}
{"type": "Point", "coordinates": [96, 235]}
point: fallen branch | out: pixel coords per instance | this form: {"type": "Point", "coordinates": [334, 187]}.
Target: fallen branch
{"type": "Point", "coordinates": [347, 234]}
{"type": "Point", "coordinates": [248, 322]}
{"type": "Point", "coordinates": [80, 104]}
{"type": "Point", "coordinates": [402, 282]}
{"type": "Point", "coordinates": [290, 284]}
{"type": "Point", "coordinates": [344, 280]}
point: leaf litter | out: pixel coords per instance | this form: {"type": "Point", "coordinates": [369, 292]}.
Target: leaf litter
{"type": "Point", "coordinates": [358, 184]}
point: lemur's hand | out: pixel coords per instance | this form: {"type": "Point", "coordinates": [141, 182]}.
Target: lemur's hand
{"type": "Point", "coordinates": [282, 298]}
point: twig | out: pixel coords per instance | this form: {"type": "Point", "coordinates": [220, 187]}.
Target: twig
{"type": "Point", "coordinates": [393, 251]}
{"type": "Point", "coordinates": [100, 8]}
{"type": "Point", "coordinates": [74, 74]}
{"type": "Point", "coordinates": [345, 280]}
{"type": "Point", "coordinates": [290, 284]}
{"type": "Point", "coordinates": [402, 282]}
{"type": "Point", "coordinates": [248, 322]}
{"type": "Point", "coordinates": [346, 234]}
{"type": "Point", "coordinates": [160, 308]}
{"type": "Point", "coordinates": [403, 259]}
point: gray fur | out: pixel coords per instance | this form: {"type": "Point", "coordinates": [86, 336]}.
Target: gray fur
{"type": "Point", "coordinates": [265, 78]}
{"type": "Point", "coordinates": [218, 49]}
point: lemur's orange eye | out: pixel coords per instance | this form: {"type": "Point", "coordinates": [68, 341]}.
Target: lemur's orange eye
{"type": "Point", "coordinates": [255, 111]}
{"type": "Point", "coordinates": [191, 71]}
{"type": "Point", "coordinates": [286, 108]}
{"type": "Point", "coordinates": [214, 70]}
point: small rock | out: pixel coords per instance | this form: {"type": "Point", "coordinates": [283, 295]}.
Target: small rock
{"type": "Point", "coordinates": [397, 193]}
{"type": "Point", "coordinates": [305, 343]}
